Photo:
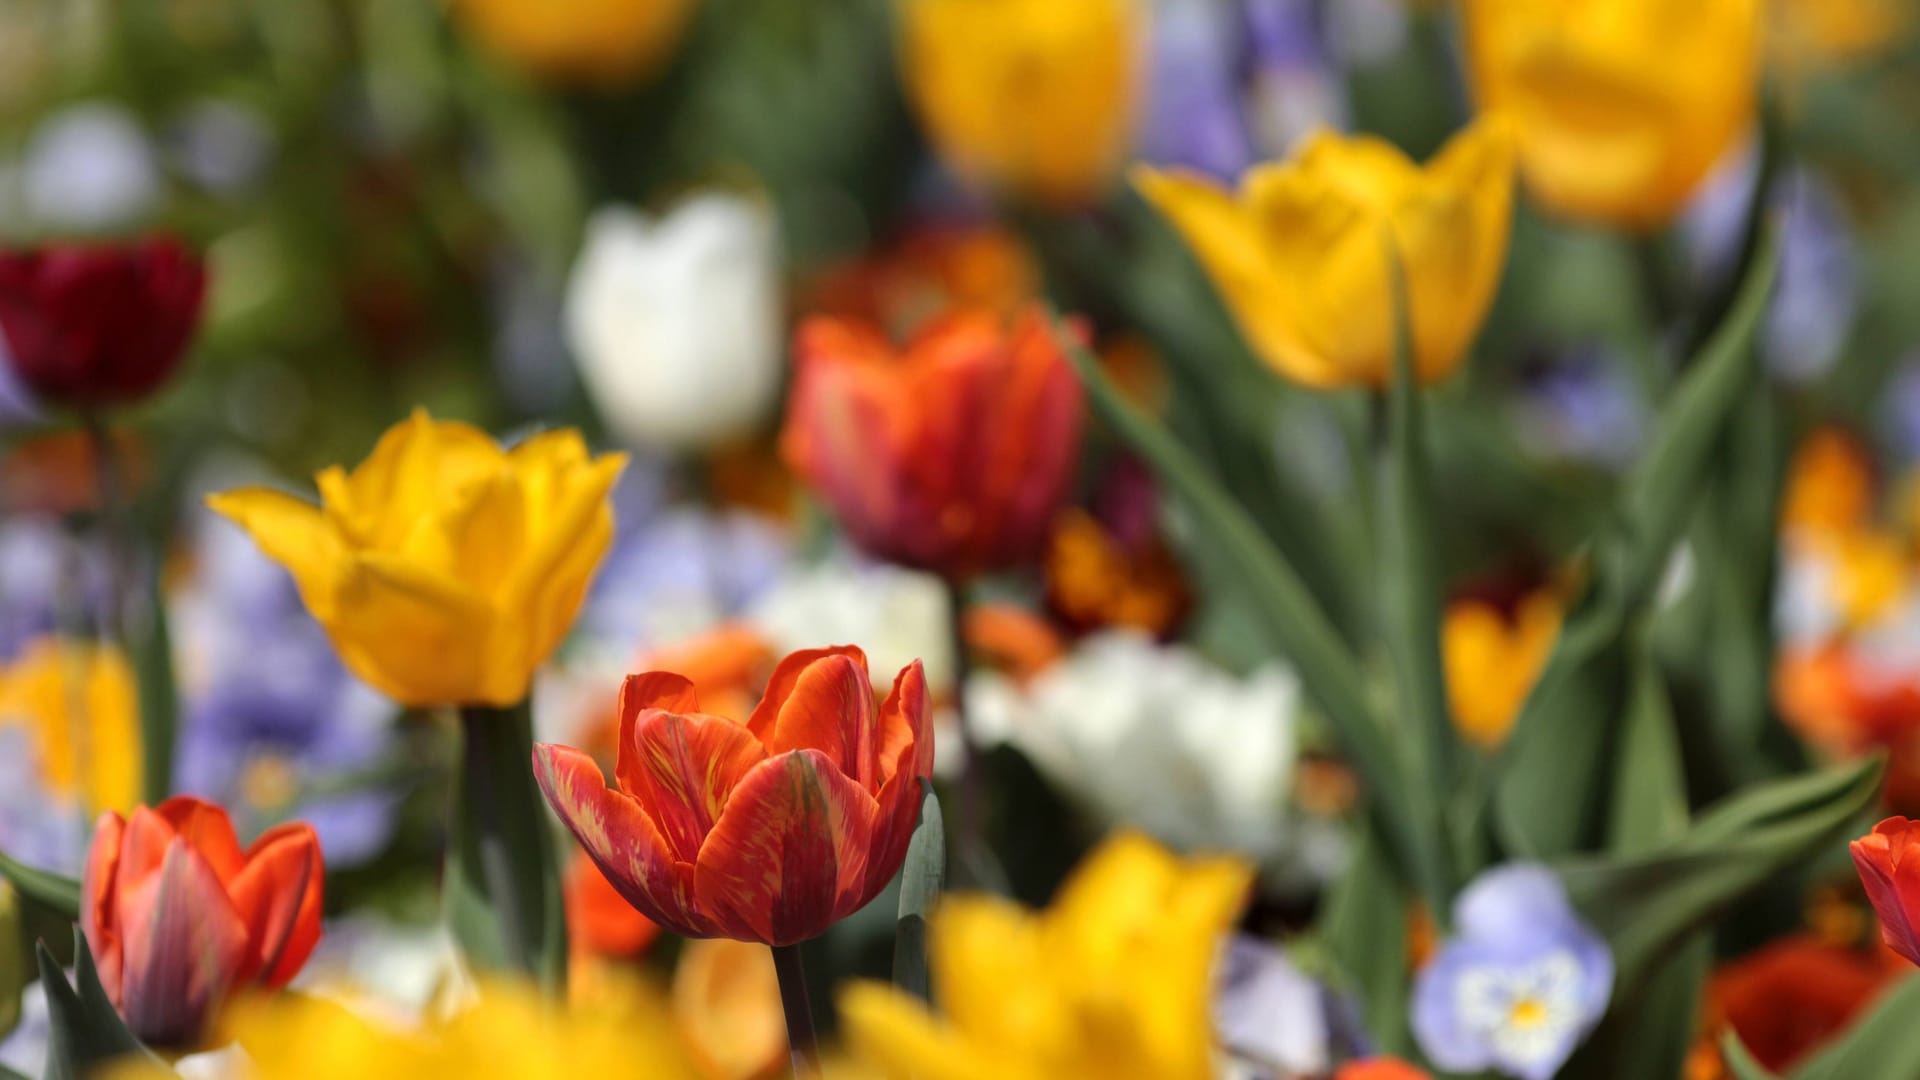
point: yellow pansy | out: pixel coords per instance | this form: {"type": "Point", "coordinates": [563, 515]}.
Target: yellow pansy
{"type": "Point", "coordinates": [1114, 980]}
{"type": "Point", "coordinates": [1492, 661]}
{"type": "Point", "coordinates": [508, 1031]}
{"type": "Point", "coordinates": [444, 568]}
{"type": "Point", "coordinates": [1622, 106]}
{"type": "Point", "coordinates": [78, 701]}
{"type": "Point", "coordinates": [1037, 97]}
{"type": "Point", "coordinates": [1300, 253]}
{"type": "Point", "coordinates": [603, 41]}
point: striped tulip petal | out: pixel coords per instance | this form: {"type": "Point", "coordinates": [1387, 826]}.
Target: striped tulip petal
{"type": "Point", "coordinates": [182, 952]}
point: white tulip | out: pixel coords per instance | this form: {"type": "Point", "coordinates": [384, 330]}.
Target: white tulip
{"type": "Point", "coordinates": [675, 321]}
{"type": "Point", "coordinates": [1158, 738]}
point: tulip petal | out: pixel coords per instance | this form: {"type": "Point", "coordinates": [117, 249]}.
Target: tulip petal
{"type": "Point", "coordinates": [788, 857]}
{"type": "Point", "coordinates": [208, 830]}
{"type": "Point", "coordinates": [898, 1034]}
{"type": "Point", "coordinates": [278, 895]}
{"type": "Point", "coordinates": [830, 708]}
{"type": "Point", "coordinates": [621, 840]}
{"type": "Point", "coordinates": [409, 633]}
{"type": "Point", "coordinates": [98, 913]}
{"type": "Point", "coordinates": [184, 943]}
{"type": "Point", "coordinates": [412, 467]}
{"type": "Point", "coordinates": [142, 846]}
{"type": "Point", "coordinates": [682, 769]}
{"type": "Point", "coordinates": [786, 675]}
{"type": "Point", "coordinates": [906, 761]}
{"type": "Point", "coordinates": [293, 533]}
{"type": "Point", "coordinates": [666, 691]}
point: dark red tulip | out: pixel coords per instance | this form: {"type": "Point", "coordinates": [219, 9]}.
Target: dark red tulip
{"type": "Point", "coordinates": [92, 326]}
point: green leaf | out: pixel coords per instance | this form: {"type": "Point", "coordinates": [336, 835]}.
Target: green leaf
{"type": "Point", "coordinates": [1885, 1042]}
{"type": "Point", "coordinates": [85, 1030]}
{"type": "Point", "coordinates": [151, 644]}
{"type": "Point", "coordinates": [62, 894]}
{"type": "Point", "coordinates": [1550, 795]}
{"type": "Point", "coordinates": [1406, 543]}
{"type": "Point", "coordinates": [1299, 628]}
{"type": "Point", "coordinates": [14, 973]}
{"type": "Point", "coordinates": [1649, 804]}
{"type": "Point", "coordinates": [1364, 926]}
{"type": "Point", "coordinates": [921, 878]}
{"type": "Point", "coordinates": [1646, 904]}
{"type": "Point", "coordinates": [501, 888]}
{"type": "Point", "coordinates": [1740, 1060]}
{"type": "Point", "coordinates": [1650, 1033]}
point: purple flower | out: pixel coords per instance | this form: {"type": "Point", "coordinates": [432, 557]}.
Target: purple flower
{"type": "Point", "coordinates": [37, 827]}
{"type": "Point", "coordinates": [1521, 983]}
{"type": "Point", "coordinates": [1271, 1016]}
{"type": "Point", "coordinates": [275, 728]}
{"type": "Point", "coordinates": [42, 570]}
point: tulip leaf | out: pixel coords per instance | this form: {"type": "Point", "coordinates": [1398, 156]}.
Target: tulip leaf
{"type": "Point", "coordinates": [1740, 1060]}
{"type": "Point", "coordinates": [1550, 795]}
{"type": "Point", "coordinates": [61, 894]}
{"type": "Point", "coordinates": [501, 887]}
{"type": "Point", "coordinates": [1645, 904]}
{"type": "Point", "coordinates": [1405, 544]}
{"type": "Point", "coordinates": [1299, 627]}
{"type": "Point", "coordinates": [84, 1029]}
{"type": "Point", "coordinates": [1884, 1042]}
{"type": "Point", "coordinates": [1364, 925]}
{"type": "Point", "coordinates": [14, 974]}
{"type": "Point", "coordinates": [151, 644]}
{"type": "Point", "coordinates": [1649, 780]}
{"type": "Point", "coordinates": [921, 878]}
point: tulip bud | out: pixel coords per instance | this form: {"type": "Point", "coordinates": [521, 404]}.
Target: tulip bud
{"type": "Point", "coordinates": [951, 456]}
{"type": "Point", "coordinates": [675, 321]}
{"type": "Point", "coordinates": [179, 918]}
{"type": "Point", "coordinates": [767, 831]}
{"type": "Point", "coordinates": [1888, 859]}
{"type": "Point", "coordinates": [89, 327]}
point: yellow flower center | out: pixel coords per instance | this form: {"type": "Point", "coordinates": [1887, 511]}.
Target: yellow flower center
{"type": "Point", "coordinates": [269, 783]}
{"type": "Point", "coordinates": [1528, 1012]}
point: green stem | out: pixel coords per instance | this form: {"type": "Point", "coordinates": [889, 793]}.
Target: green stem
{"type": "Point", "coordinates": [801, 1040]}
{"type": "Point", "coordinates": [502, 886]}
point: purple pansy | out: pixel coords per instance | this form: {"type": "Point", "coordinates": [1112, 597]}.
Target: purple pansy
{"type": "Point", "coordinates": [1519, 985]}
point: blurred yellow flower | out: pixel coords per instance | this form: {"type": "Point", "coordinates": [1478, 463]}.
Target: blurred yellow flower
{"type": "Point", "coordinates": [1492, 661]}
{"type": "Point", "coordinates": [1113, 981]}
{"type": "Point", "coordinates": [444, 568]}
{"type": "Point", "coordinates": [1830, 485]}
{"type": "Point", "coordinates": [508, 1032]}
{"type": "Point", "coordinates": [77, 700]}
{"type": "Point", "coordinates": [1036, 97]}
{"type": "Point", "coordinates": [1808, 35]}
{"type": "Point", "coordinates": [1300, 254]}
{"type": "Point", "coordinates": [595, 41]}
{"type": "Point", "coordinates": [1870, 571]}
{"type": "Point", "coordinates": [726, 1003]}
{"type": "Point", "coordinates": [1623, 106]}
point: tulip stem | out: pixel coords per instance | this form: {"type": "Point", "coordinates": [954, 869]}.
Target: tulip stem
{"type": "Point", "coordinates": [801, 1039]}
{"type": "Point", "coordinates": [977, 865]}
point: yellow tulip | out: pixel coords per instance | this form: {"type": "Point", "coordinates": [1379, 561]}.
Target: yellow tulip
{"type": "Point", "coordinates": [1622, 106]}
{"type": "Point", "coordinates": [1036, 97]}
{"type": "Point", "coordinates": [1492, 662]}
{"type": "Point", "coordinates": [596, 41]}
{"type": "Point", "coordinates": [1300, 254]}
{"type": "Point", "coordinates": [1113, 981]}
{"type": "Point", "coordinates": [508, 1031]}
{"type": "Point", "coordinates": [77, 700]}
{"type": "Point", "coordinates": [444, 568]}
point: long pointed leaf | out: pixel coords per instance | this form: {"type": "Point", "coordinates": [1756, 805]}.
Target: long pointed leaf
{"type": "Point", "coordinates": [921, 878]}
{"type": "Point", "coordinates": [85, 1030]}
{"type": "Point", "coordinates": [62, 894]}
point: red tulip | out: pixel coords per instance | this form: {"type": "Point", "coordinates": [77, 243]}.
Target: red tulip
{"type": "Point", "coordinates": [767, 831]}
{"type": "Point", "coordinates": [1888, 859]}
{"type": "Point", "coordinates": [178, 917]}
{"type": "Point", "coordinates": [950, 456]}
{"type": "Point", "coordinates": [87, 327]}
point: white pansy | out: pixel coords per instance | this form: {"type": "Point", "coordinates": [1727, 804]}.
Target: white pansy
{"type": "Point", "coordinates": [1156, 737]}
{"type": "Point", "coordinates": [1528, 1013]}
{"type": "Point", "coordinates": [675, 320]}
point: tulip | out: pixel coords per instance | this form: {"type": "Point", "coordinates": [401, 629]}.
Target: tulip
{"type": "Point", "coordinates": [1492, 659]}
{"type": "Point", "coordinates": [1380, 1068]}
{"type": "Point", "coordinates": [1888, 859]}
{"type": "Point", "coordinates": [444, 568]}
{"type": "Point", "coordinates": [1035, 97]}
{"type": "Point", "coordinates": [950, 456]}
{"type": "Point", "coordinates": [766, 831]}
{"type": "Point", "coordinates": [600, 922]}
{"type": "Point", "coordinates": [90, 327]}
{"type": "Point", "coordinates": [583, 41]}
{"type": "Point", "coordinates": [1300, 254]}
{"type": "Point", "coordinates": [178, 917]}
{"type": "Point", "coordinates": [675, 321]}
{"type": "Point", "coordinates": [1609, 133]}
{"type": "Point", "coordinates": [1114, 980]}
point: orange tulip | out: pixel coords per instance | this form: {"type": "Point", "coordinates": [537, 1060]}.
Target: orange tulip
{"type": "Point", "coordinates": [178, 917]}
{"type": "Point", "coordinates": [951, 455]}
{"type": "Point", "coordinates": [767, 831]}
{"type": "Point", "coordinates": [1888, 859]}
{"type": "Point", "coordinates": [1379, 1068]}
{"type": "Point", "coordinates": [600, 922]}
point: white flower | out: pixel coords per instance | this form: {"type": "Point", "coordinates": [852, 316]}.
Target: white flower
{"type": "Point", "coordinates": [675, 321]}
{"type": "Point", "coordinates": [1156, 737]}
{"type": "Point", "coordinates": [90, 166]}
{"type": "Point", "coordinates": [896, 616]}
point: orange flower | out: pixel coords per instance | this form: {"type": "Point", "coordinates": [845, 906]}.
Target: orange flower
{"type": "Point", "coordinates": [1011, 639]}
{"type": "Point", "coordinates": [1790, 998]}
{"type": "Point", "coordinates": [1888, 859]}
{"type": "Point", "coordinates": [949, 456]}
{"type": "Point", "coordinates": [767, 831]}
{"type": "Point", "coordinates": [600, 922]}
{"type": "Point", "coordinates": [1830, 486]}
{"type": "Point", "coordinates": [1379, 1068]}
{"type": "Point", "coordinates": [726, 1003]}
{"type": "Point", "coordinates": [1096, 580]}
{"type": "Point", "coordinates": [178, 917]}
